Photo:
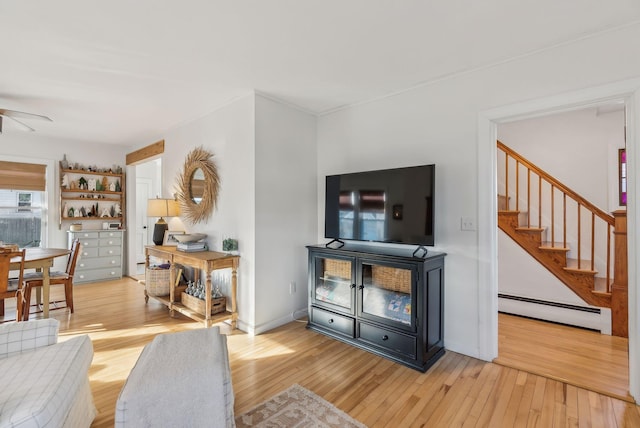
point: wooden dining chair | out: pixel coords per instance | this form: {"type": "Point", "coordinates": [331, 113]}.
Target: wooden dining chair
{"type": "Point", "coordinates": [11, 286]}
{"type": "Point", "coordinates": [34, 279]}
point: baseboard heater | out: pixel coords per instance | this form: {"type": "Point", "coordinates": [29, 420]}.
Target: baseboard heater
{"type": "Point", "coordinates": [562, 313]}
{"type": "Point", "coordinates": [547, 303]}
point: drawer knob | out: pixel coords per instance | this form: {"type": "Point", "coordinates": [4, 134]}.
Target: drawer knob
{"type": "Point", "coordinates": [361, 287]}
{"type": "Point", "coordinates": [353, 286]}
{"type": "Point", "coordinates": [81, 264]}
{"type": "Point", "coordinates": [385, 337]}
{"type": "Point", "coordinates": [330, 320]}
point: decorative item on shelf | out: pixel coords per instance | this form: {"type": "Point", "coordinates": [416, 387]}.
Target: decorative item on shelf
{"type": "Point", "coordinates": [190, 237]}
{"type": "Point", "coordinates": [192, 247]}
{"type": "Point", "coordinates": [194, 298]}
{"type": "Point", "coordinates": [161, 208]}
{"type": "Point", "coordinates": [64, 164]}
{"type": "Point", "coordinates": [75, 227]}
{"type": "Point", "coordinates": [169, 238]}
{"type": "Point", "coordinates": [230, 245]}
{"type": "Point", "coordinates": [198, 186]}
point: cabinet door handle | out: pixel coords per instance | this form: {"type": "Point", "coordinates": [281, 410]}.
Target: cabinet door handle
{"type": "Point", "coordinates": [353, 286]}
{"type": "Point", "coordinates": [330, 320]}
{"type": "Point", "coordinates": [385, 337]}
{"type": "Point", "coordinates": [361, 287]}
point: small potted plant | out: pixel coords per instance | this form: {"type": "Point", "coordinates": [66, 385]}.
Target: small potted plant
{"type": "Point", "coordinates": [230, 245]}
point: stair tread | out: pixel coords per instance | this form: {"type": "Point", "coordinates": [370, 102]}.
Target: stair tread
{"type": "Point", "coordinates": [554, 246]}
{"type": "Point", "coordinates": [530, 229]}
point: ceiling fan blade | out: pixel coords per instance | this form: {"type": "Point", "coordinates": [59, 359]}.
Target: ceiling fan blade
{"type": "Point", "coordinates": [22, 115]}
{"type": "Point", "coordinates": [22, 125]}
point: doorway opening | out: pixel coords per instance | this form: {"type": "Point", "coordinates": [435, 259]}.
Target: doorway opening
{"type": "Point", "coordinates": [489, 123]}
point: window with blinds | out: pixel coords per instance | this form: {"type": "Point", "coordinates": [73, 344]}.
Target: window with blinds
{"type": "Point", "coordinates": [22, 193]}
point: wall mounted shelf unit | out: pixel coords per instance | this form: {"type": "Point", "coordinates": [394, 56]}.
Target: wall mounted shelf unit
{"type": "Point", "coordinates": [77, 202]}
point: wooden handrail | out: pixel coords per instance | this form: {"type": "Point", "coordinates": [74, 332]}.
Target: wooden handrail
{"type": "Point", "coordinates": [558, 185]}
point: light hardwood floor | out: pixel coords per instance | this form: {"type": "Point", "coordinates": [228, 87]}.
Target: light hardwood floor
{"type": "Point", "coordinates": [456, 391]}
{"type": "Point", "coordinates": [577, 356]}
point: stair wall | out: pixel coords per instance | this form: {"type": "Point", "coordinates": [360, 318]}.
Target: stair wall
{"type": "Point", "coordinates": [521, 276]}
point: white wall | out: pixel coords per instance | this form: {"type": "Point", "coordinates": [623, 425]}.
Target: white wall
{"type": "Point", "coordinates": [266, 158]}
{"type": "Point", "coordinates": [285, 210]}
{"type": "Point", "coordinates": [575, 147]}
{"type": "Point", "coordinates": [229, 134]}
{"type": "Point", "coordinates": [438, 123]}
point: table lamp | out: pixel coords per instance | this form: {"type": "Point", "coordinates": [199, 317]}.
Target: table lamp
{"type": "Point", "coordinates": [161, 208]}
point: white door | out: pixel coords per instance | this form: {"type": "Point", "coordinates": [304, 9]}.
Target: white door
{"type": "Point", "coordinates": [144, 188]}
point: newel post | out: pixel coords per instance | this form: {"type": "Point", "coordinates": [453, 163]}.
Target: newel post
{"type": "Point", "coordinates": [619, 289]}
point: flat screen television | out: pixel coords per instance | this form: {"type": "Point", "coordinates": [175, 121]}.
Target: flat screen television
{"type": "Point", "coordinates": [390, 205]}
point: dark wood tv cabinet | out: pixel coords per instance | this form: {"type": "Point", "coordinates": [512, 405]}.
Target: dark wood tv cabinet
{"type": "Point", "coordinates": [383, 300]}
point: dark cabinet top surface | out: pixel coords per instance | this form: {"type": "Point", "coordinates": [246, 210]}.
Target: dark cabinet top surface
{"type": "Point", "coordinates": [359, 250]}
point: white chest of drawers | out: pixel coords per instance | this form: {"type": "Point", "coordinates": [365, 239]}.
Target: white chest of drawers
{"type": "Point", "coordinates": [100, 255]}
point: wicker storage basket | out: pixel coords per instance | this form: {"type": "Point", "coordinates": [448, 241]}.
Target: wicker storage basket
{"type": "Point", "coordinates": [337, 268]}
{"type": "Point", "coordinates": [156, 281]}
{"type": "Point", "coordinates": [218, 305]}
{"type": "Point", "coordinates": [391, 278]}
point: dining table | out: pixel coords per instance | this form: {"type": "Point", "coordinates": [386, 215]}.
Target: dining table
{"type": "Point", "coordinates": [41, 259]}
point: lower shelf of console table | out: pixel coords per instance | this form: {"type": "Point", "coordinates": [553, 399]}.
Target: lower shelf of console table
{"type": "Point", "coordinates": [194, 315]}
{"type": "Point", "coordinates": [206, 261]}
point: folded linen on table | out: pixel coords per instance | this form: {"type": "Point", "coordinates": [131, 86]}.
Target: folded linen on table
{"type": "Point", "coordinates": [180, 379]}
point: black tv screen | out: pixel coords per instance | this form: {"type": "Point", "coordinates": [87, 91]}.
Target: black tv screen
{"type": "Point", "coordinates": [391, 205]}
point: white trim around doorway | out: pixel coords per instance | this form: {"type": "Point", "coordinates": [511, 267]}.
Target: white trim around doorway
{"type": "Point", "coordinates": [629, 91]}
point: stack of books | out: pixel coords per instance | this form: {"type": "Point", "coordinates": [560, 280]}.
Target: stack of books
{"type": "Point", "coordinates": [189, 247]}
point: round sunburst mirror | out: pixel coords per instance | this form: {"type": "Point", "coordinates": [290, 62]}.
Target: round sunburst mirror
{"type": "Point", "coordinates": [198, 186]}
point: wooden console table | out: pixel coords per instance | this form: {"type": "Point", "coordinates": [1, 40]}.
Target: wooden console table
{"type": "Point", "coordinates": [207, 261]}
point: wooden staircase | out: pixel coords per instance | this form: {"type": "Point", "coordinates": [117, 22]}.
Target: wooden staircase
{"type": "Point", "coordinates": [545, 237]}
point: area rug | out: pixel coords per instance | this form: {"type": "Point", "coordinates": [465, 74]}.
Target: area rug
{"type": "Point", "coordinates": [296, 407]}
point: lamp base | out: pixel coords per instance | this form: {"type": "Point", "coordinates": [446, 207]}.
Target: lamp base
{"type": "Point", "coordinates": [158, 232]}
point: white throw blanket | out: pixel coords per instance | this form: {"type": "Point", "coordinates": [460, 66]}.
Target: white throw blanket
{"type": "Point", "coordinates": [180, 379]}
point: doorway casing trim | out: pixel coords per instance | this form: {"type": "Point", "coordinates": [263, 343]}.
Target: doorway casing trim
{"type": "Point", "coordinates": [629, 91]}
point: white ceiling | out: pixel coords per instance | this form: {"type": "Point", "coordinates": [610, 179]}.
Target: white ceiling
{"type": "Point", "coordinates": [124, 71]}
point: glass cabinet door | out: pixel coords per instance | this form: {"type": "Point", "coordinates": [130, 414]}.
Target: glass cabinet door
{"type": "Point", "coordinates": [386, 292]}
{"type": "Point", "coordinates": [333, 284]}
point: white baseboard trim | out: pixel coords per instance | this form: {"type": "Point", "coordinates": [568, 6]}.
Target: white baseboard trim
{"type": "Point", "coordinates": [270, 325]}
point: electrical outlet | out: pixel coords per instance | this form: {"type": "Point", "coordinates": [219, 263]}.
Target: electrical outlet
{"type": "Point", "coordinates": [467, 223]}
{"type": "Point", "coordinates": [292, 287]}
